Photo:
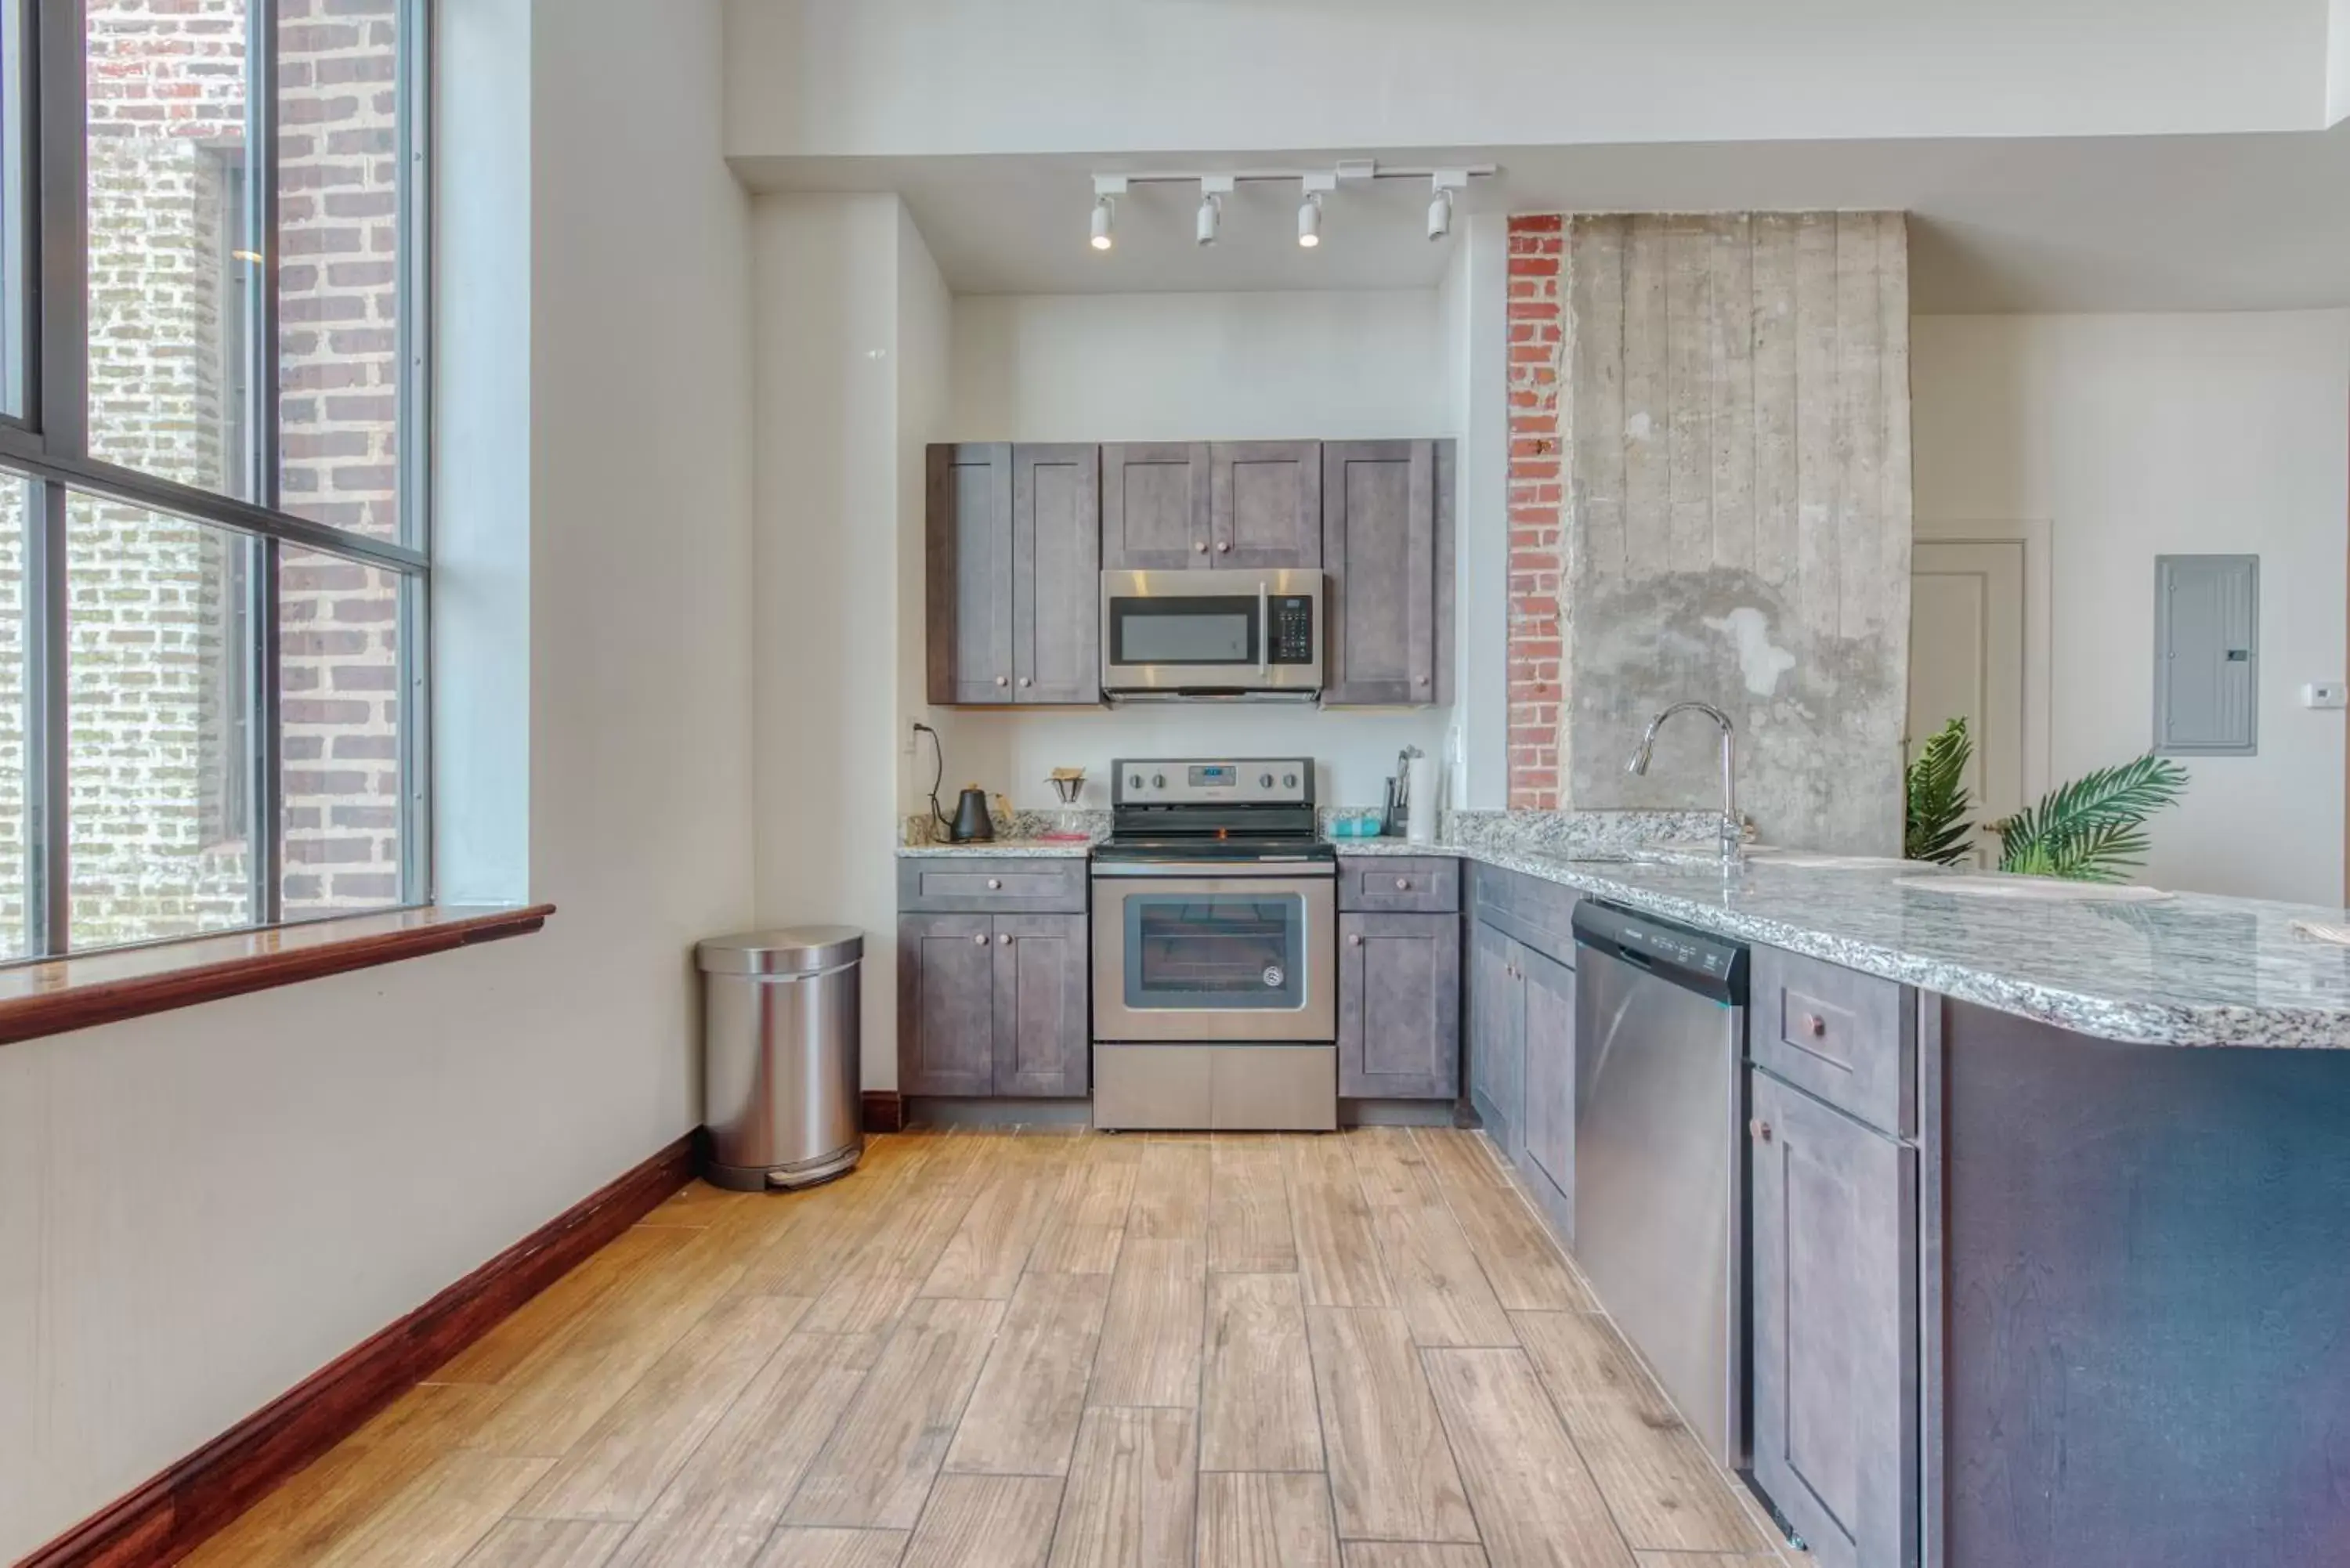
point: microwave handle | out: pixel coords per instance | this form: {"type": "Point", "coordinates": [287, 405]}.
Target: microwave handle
{"type": "Point", "coordinates": [1263, 626]}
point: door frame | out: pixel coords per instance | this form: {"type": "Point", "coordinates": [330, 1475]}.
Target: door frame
{"type": "Point", "coordinates": [2036, 534]}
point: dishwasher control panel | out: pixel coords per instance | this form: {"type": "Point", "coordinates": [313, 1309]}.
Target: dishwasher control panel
{"type": "Point", "coordinates": [1702, 963]}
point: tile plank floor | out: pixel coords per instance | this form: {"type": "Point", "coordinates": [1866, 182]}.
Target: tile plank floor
{"type": "Point", "coordinates": [1022, 1348]}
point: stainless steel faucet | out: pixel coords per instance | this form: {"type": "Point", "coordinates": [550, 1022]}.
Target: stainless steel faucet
{"type": "Point", "coordinates": [1733, 832]}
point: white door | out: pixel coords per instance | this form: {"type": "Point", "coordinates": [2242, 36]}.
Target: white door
{"type": "Point", "coordinates": [1966, 657]}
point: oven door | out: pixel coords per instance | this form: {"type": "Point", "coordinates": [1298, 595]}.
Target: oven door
{"type": "Point", "coordinates": [1174, 633]}
{"type": "Point", "coordinates": [1214, 957]}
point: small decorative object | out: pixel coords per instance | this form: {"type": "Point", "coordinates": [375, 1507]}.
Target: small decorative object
{"type": "Point", "coordinates": [2093, 830]}
{"type": "Point", "coordinates": [1068, 784]}
{"type": "Point", "coordinates": [1936, 827]}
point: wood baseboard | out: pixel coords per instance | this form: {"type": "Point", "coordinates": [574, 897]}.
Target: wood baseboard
{"type": "Point", "coordinates": [884, 1111]}
{"type": "Point", "coordinates": [167, 1518]}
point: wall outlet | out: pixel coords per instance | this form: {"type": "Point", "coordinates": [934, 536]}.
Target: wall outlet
{"type": "Point", "coordinates": [2325, 694]}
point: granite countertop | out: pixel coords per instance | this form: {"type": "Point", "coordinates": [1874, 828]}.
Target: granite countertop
{"type": "Point", "coordinates": [1005, 847]}
{"type": "Point", "coordinates": [2188, 970]}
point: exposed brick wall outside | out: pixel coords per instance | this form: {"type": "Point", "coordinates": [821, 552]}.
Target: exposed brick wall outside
{"type": "Point", "coordinates": [155, 654]}
{"type": "Point", "coordinates": [1537, 500]}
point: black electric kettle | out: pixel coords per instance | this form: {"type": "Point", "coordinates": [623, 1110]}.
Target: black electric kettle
{"type": "Point", "coordinates": [971, 823]}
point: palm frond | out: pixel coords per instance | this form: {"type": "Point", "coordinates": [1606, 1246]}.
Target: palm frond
{"type": "Point", "coordinates": [1936, 827]}
{"type": "Point", "coordinates": [2092, 829]}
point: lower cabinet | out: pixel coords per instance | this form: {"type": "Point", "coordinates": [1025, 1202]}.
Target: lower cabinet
{"type": "Point", "coordinates": [1399, 1007]}
{"type": "Point", "coordinates": [1521, 1062]}
{"type": "Point", "coordinates": [991, 1004]}
{"type": "Point", "coordinates": [1497, 1080]}
{"type": "Point", "coordinates": [1834, 1207]}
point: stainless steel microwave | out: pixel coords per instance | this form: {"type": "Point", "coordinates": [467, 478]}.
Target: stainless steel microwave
{"type": "Point", "coordinates": [1230, 634]}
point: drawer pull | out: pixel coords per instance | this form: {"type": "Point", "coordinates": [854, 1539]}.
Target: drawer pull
{"type": "Point", "coordinates": [1354, 939]}
{"type": "Point", "coordinates": [980, 938]}
{"type": "Point", "coordinates": [1004, 939]}
{"type": "Point", "coordinates": [1815, 1025]}
{"type": "Point", "coordinates": [1403, 884]}
{"type": "Point", "coordinates": [994, 884]}
{"type": "Point", "coordinates": [1760, 1131]}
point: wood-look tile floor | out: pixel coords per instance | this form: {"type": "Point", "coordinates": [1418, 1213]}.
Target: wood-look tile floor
{"type": "Point", "coordinates": [1046, 1348]}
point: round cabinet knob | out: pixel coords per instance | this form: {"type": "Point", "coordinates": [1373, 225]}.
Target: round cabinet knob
{"type": "Point", "coordinates": [1264, 781]}
{"type": "Point", "coordinates": [1354, 939]}
{"type": "Point", "coordinates": [1223, 547]}
{"type": "Point", "coordinates": [1201, 546]}
{"type": "Point", "coordinates": [980, 938]}
{"type": "Point", "coordinates": [994, 884]}
{"type": "Point", "coordinates": [1403, 884]}
{"type": "Point", "coordinates": [1026, 682]}
{"type": "Point", "coordinates": [1158, 781]}
{"type": "Point", "coordinates": [1004, 939]}
{"type": "Point", "coordinates": [1815, 1025]}
{"type": "Point", "coordinates": [1760, 1129]}
{"type": "Point", "coordinates": [1001, 680]}
{"type": "Point", "coordinates": [1423, 680]}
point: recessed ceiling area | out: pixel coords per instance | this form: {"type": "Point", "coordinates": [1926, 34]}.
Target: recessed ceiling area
{"type": "Point", "coordinates": [2135, 224]}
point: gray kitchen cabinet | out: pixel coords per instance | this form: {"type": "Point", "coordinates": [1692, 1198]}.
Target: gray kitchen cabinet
{"type": "Point", "coordinates": [1549, 1054]}
{"type": "Point", "coordinates": [1264, 508]}
{"type": "Point", "coordinates": [1154, 506]}
{"type": "Point", "coordinates": [1013, 572]}
{"type": "Point", "coordinates": [968, 563]}
{"type": "Point", "coordinates": [1040, 1006]}
{"type": "Point", "coordinates": [1386, 550]}
{"type": "Point", "coordinates": [1834, 1369]}
{"type": "Point", "coordinates": [1399, 1007]}
{"type": "Point", "coordinates": [1056, 574]}
{"type": "Point", "coordinates": [1496, 1038]}
{"type": "Point", "coordinates": [946, 1004]}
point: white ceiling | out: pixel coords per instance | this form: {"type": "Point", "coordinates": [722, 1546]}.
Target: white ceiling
{"type": "Point", "coordinates": [2209, 223]}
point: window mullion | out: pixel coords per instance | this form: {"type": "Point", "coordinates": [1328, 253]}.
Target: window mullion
{"type": "Point", "coordinates": [64, 308]}
{"type": "Point", "coordinates": [261, 204]}
{"type": "Point", "coordinates": [49, 822]}
{"type": "Point", "coordinates": [268, 759]}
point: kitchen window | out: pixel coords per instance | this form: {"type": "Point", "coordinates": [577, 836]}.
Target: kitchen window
{"type": "Point", "coordinates": [214, 558]}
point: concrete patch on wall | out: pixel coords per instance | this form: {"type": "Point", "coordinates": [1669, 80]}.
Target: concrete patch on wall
{"type": "Point", "coordinates": [1736, 386]}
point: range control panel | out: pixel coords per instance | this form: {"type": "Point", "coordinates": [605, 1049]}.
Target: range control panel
{"type": "Point", "coordinates": [1188, 780]}
{"type": "Point", "coordinates": [1290, 640]}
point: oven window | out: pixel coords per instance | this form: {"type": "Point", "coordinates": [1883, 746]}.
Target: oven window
{"type": "Point", "coordinates": [1215, 951]}
{"type": "Point", "coordinates": [1184, 631]}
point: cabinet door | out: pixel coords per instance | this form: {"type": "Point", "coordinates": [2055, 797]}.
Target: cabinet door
{"type": "Point", "coordinates": [1056, 574]}
{"type": "Point", "coordinates": [1040, 1005]}
{"type": "Point", "coordinates": [1379, 545]}
{"type": "Point", "coordinates": [1154, 507]}
{"type": "Point", "coordinates": [1496, 1026]}
{"type": "Point", "coordinates": [1264, 507]}
{"type": "Point", "coordinates": [1550, 1081]}
{"type": "Point", "coordinates": [1399, 1007]}
{"type": "Point", "coordinates": [969, 573]}
{"type": "Point", "coordinates": [1835, 1293]}
{"type": "Point", "coordinates": [946, 1004]}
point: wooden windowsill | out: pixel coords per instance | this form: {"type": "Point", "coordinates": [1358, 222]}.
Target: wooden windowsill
{"type": "Point", "coordinates": [58, 995]}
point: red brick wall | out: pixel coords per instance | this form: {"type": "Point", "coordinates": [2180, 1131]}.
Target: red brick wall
{"type": "Point", "coordinates": [1538, 496]}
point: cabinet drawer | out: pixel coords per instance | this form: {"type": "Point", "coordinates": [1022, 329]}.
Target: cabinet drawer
{"type": "Point", "coordinates": [987, 884]}
{"type": "Point", "coordinates": [1849, 1038]}
{"type": "Point", "coordinates": [1538, 913]}
{"type": "Point", "coordinates": [1398, 884]}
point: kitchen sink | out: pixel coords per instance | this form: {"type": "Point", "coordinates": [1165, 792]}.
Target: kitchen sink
{"type": "Point", "coordinates": [2037, 890]}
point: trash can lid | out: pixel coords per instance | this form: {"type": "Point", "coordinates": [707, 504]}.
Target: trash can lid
{"type": "Point", "coordinates": [795, 950]}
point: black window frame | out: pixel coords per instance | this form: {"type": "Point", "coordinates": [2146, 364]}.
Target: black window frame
{"type": "Point", "coordinates": [46, 444]}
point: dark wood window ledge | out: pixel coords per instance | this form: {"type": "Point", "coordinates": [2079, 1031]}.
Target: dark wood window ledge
{"type": "Point", "coordinates": [58, 994]}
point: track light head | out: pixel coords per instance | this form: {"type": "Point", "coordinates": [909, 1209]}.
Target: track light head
{"type": "Point", "coordinates": [1210, 211]}
{"type": "Point", "coordinates": [1439, 215]}
{"type": "Point", "coordinates": [1309, 219]}
{"type": "Point", "coordinates": [1104, 216]}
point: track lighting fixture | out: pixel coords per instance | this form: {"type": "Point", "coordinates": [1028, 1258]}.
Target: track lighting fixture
{"type": "Point", "coordinates": [1317, 185]}
{"type": "Point", "coordinates": [1309, 221]}
{"type": "Point", "coordinates": [1213, 189]}
{"type": "Point", "coordinates": [1103, 218]}
{"type": "Point", "coordinates": [1445, 182]}
{"type": "Point", "coordinates": [1206, 227]}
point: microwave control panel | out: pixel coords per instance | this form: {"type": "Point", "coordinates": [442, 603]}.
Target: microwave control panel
{"type": "Point", "coordinates": [1291, 638]}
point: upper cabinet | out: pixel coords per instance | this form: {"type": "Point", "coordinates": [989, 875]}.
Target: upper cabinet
{"type": "Point", "coordinates": [1387, 547]}
{"type": "Point", "coordinates": [1154, 507]}
{"type": "Point", "coordinates": [1013, 571]}
{"type": "Point", "coordinates": [1264, 510]}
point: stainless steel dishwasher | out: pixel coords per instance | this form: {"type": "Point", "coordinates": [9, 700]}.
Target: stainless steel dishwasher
{"type": "Point", "coordinates": [1659, 1168]}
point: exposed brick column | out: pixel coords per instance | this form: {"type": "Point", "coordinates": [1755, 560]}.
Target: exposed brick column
{"type": "Point", "coordinates": [1537, 493]}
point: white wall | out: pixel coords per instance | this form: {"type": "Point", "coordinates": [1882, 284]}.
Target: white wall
{"type": "Point", "coordinates": [1195, 367]}
{"type": "Point", "coordinates": [2140, 435]}
{"type": "Point", "coordinates": [1476, 303]}
{"type": "Point", "coordinates": [816, 77]}
{"type": "Point", "coordinates": [200, 1208]}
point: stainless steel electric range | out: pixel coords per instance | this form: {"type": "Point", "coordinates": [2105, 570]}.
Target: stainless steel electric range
{"type": "Point", "coordinates": [1215, 950]}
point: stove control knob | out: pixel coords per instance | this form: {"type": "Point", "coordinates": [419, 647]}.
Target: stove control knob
{"type": "Point", "coordinates": [1264, 781]}
{"type": "Point", "coordinates": [1134, 781]}
{"type": "Point", "coordinates": [1158, 781]}
{"type": "Point", "coordinates": [1289, 780]}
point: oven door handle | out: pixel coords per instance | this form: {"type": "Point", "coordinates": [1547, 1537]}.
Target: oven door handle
{"type": "Point", "coordinates": [1263, 626]}
{"type": "Point", "coordinates": [1293, 871]}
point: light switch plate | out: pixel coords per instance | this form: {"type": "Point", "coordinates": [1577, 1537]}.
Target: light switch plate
{"type": "Point", "coordinates": [2325, 694]}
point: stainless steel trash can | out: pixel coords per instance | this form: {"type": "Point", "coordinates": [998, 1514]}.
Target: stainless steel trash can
{"type": "Point", "coordinates": [780, 1044]}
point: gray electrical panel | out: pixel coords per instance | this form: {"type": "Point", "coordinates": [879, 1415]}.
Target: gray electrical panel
{"type": "Point", "coordinates": [2207, 657]}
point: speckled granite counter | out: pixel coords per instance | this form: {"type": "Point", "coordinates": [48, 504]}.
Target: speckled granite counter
{"type": "Point", "coordinates": [2185, 971]}
{"type": "Point", "coordinates": [1003, 847]}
